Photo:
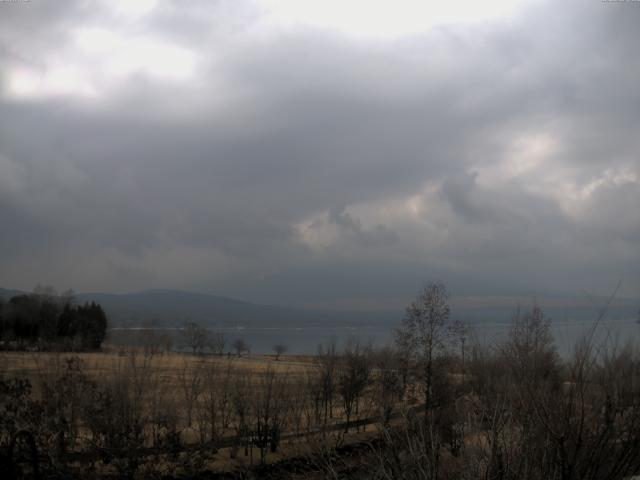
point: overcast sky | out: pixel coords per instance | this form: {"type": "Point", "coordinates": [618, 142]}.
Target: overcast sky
{"type": "Point", "coordinates": [326, 152]}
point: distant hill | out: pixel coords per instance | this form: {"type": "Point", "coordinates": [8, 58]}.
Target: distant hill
{"type": "Point", "coordinates": [174, 308]}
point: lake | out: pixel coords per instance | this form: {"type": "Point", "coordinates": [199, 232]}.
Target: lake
{"type": "Point", "coordinates": [305, 340]}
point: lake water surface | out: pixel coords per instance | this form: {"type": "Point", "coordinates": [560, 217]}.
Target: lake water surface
{"type": "Point", "coordinates": [305, 340]}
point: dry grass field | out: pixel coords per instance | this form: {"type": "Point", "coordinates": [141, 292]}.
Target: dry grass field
{"type": "Point", "coordinates": [96, 364]}
{"type": "Point", "coordinates": [220, 413]}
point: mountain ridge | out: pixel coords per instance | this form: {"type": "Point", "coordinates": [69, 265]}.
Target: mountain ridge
{"type": "Point", "coordinates": [170, 308]}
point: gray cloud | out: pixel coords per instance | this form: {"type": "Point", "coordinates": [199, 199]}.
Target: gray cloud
{"type": "Point", "coordinates": [296, 165]}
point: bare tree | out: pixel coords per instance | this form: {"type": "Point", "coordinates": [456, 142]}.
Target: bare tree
{"type": "Point", "coordinates": [194, 337]}
{"type": "Point", "coordinates": [279, 349]}
{"type": "Point", "coordinates": [387, 383]}
{"type": "Point", "coordinates": [150, 341]}
{"type": "Point", "coordinates": [117, 412]}
{"type": "Point", "coordinates": [216, 342]}
{"type": "Point", "coordinates": [423, 338]}
{"type": "Point", "coordinates": [585, 427]}
{"type": "Point", "coordinates": [269, 411]}
{"type": "Point", "coordinates": [423, 333]}
{"type": "Point", "coordinates": [299, 403]}
{"type": "Point", "coordinates": [327, 360]}
{"type": "Point", "coordinates": [190, 379]}
{"type": "Point", "coordinates": [240, 346]}
{"type": "Point", "coordinates": [216, 407]}
{"type": "Point", "coordinates": [353, 377]}
{"type": "Point", "coordinates": [313, 387]}
{"type": "Point", "coordinates": [241, 401]}
{"type": "Point", "coordinates": [530, 350]}
{"type": "Point", "coordinates": [459, 333]}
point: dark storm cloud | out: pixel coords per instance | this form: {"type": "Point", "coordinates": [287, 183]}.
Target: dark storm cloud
{"type": "Point", "coordinates": [298, 164]}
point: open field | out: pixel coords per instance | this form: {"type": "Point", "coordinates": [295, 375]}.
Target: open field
{"type": "Point", "coordinates": [204, 406]}
{"type": "Point", "coordinates": [32, 364]}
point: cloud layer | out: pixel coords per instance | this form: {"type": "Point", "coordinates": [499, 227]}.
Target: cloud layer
{"type": "Point", "coordinates": [222, 147]}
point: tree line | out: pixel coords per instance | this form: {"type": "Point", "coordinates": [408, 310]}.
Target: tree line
{"type": "Point", "coordinates": [47, 320]}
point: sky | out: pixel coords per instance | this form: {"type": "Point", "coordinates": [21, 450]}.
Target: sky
{"type": "Point", "coordinates": [334, 153]}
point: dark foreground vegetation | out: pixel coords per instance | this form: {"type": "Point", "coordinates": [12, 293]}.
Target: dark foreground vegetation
{"type": "Point", "coordinates": [437, 406]}
{"type": "Point", "coordinates": [45, 320]}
